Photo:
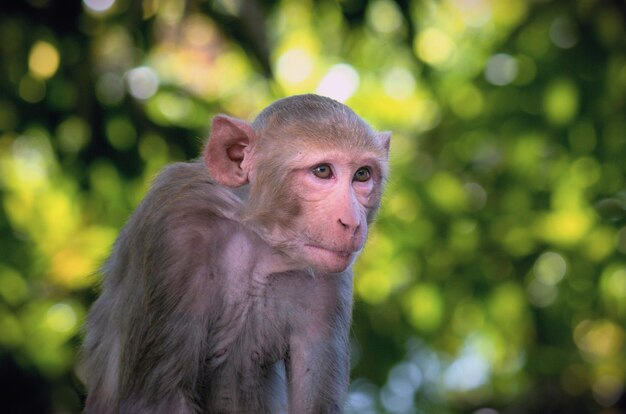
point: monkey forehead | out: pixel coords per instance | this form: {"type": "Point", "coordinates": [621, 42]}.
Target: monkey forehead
{"type": "Point", "coordinates": [329, 130]}
{"type": "Point", "coordinates": [294, 139]}
{"type": "Point", "coordinates": [351, 146]}
{"type": "Point", "coordinates": [355, 158]}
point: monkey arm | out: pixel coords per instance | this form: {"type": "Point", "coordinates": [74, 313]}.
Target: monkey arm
{"type": "Point", "coordinates": [318, 366]}
{"type": "Point", "coordinates": [148, 330]}
{"type": "Point", "coordinates": [318, 376]}
{"type": "Point", "coordinates": [163, 356]}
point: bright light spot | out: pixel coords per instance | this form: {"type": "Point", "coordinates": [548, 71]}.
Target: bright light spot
{"type": "Point", "coordinates": [607, 390]}
{"type": "Point", "coordinates": [563, 33]}
{"type": "Point", "coordinates": [358, 401]}
{"type": "Point", "coordinates": [507, 303]}
{"type": "Point", "coordinates": [475, 13]}
{"type": "Point", "coordinates": [98, 6]}
{"type": "Point", "coordinates": [361, 399]}
{"type": "Point", "coordinates": [501, 69]}
{"type": "Point", "coordinates": [395, 403]}
{"type": "Point", "coordinates": [509, 12]}
{"type": "Point", "coordinates": [399, 83]}
{"type": "Point", "coordinates": [586, 171]}
{"type": "Point", "coordinates": [152, 148]}
{"type": "Point", "coordinates": [405, 379]}
{"type": "Point", "coordinates": [13, 288]}
{"type": "Point", "coordinates": [398, 394]}
{"type": "Point", "coordinates": [143, 82]}
{"type": "Point", "coordinates": [467, 373]}
{"type": "Point", "coordinates": [447, 192]}
{"type": "Point", "coordinates": [467, 101]}
{"type": "Point", "coordinates": [384, 16]}
{"type": "Point", "coordinates": [540, 294]}
{"type": "Point", "coordinates": [110, 89]}
{"type": "Point", "coordinates": [295, 66]}
{"type": "Point", "coordinates": [73, 134]}
{"type": "Point", "coordinates": [31, 89]}
{"type": "Point", "coordinates": [477, 195]}
{"type": "Point", "coordinates": [550, 268]}
{"type": "Point", "coordinates": [561, 101]}
{"type": "Point", "coordinates": [71, 266]}
{"type": "Point", "coordinates": [30, 160]}
{"type": "Point", "coordinates": [340, 82]}
{"type": "Point", "coordinates": [199, 31]}
{"type": "Point", "coordinates": [614, 282]}
{"type": "Point", "coordinates": [372, 288]}
{"type": "Point", "coordinates": [433, 46]}
{"type": "Point", "coordinates": [426, 359]}
{"type": "Point", "coordinates": [424, 307]}
{"type": "Point", "coordinates": [600, 244]}
{"type": "Point", "coordinates": [601, 338]}
{"type": "Point", "coordinates": [173, 107]}
{"type": "Point", "coordinates": [121, 133]}
{"type": "Point", "coordinates": [61, 317]}
{"type": "Point", "coordinates": [428, 114]}
{"type": "Point", "coordinates": [403, 206]}
{"type": "Point", "coordinates": [43, 60]}
{"type": "Point", "coordinates": [565, 227]}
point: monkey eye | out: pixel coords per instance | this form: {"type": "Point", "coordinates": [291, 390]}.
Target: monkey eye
{"type": "Point", "coordinates": [322, 171]}
{"type": "Point", "coordinates": [362, 174]}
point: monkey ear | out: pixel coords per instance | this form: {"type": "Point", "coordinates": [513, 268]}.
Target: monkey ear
{"type": "Point", "coordinates": [384, 138]}
{"type": "Point", "coordinates": [226, 150]}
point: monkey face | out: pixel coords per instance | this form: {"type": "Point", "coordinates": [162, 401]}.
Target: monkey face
{"type": "Point", "coordinates": [335, 192]}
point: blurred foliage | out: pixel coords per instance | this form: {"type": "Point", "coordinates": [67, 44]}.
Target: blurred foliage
{"type": "Point", "coordinates": [495, 278]}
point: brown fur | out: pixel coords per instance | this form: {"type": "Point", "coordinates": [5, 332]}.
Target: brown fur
{"type": "Point", "coordinates": [213, 303]}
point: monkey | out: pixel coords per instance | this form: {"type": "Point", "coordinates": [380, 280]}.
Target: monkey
{"type": "Point", "coordinates": [229, 289]}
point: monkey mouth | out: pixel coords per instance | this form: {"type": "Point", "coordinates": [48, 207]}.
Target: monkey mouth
{"type": "Point", "coordinates": [340, 253]}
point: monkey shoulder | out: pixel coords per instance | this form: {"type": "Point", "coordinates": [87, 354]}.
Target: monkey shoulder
{"type": "Point", "coordinates": [184, 212]}
{"type": "Point", "coordinates": [188, 187]}
{"type": "Point", "coordinates": [186, 200]}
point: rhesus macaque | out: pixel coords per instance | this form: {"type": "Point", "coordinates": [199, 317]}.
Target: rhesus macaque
{"type": "Point", "coordinates": [221, 299]}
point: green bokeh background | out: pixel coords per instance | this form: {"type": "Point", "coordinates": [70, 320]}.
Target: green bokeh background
{"type": "Point", "coordinates": [494, 280]}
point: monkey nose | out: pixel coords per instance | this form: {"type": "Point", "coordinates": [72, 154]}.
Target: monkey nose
{"type": "Point", "coordinates": [351, 225]}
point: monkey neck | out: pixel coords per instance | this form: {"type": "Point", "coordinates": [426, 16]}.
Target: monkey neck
{"type": "Point", "coordinates": [242, 192]}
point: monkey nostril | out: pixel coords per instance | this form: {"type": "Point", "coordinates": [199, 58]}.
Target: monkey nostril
{"type": "Point", "coordinates": [349, 225]}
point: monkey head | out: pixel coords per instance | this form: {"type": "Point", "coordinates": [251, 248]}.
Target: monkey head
{"type": "Point", "coordinates": [315, 172]}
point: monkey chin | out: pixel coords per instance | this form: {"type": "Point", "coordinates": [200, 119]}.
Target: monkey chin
{"type": "Point", "coordinates": [327, 260]}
